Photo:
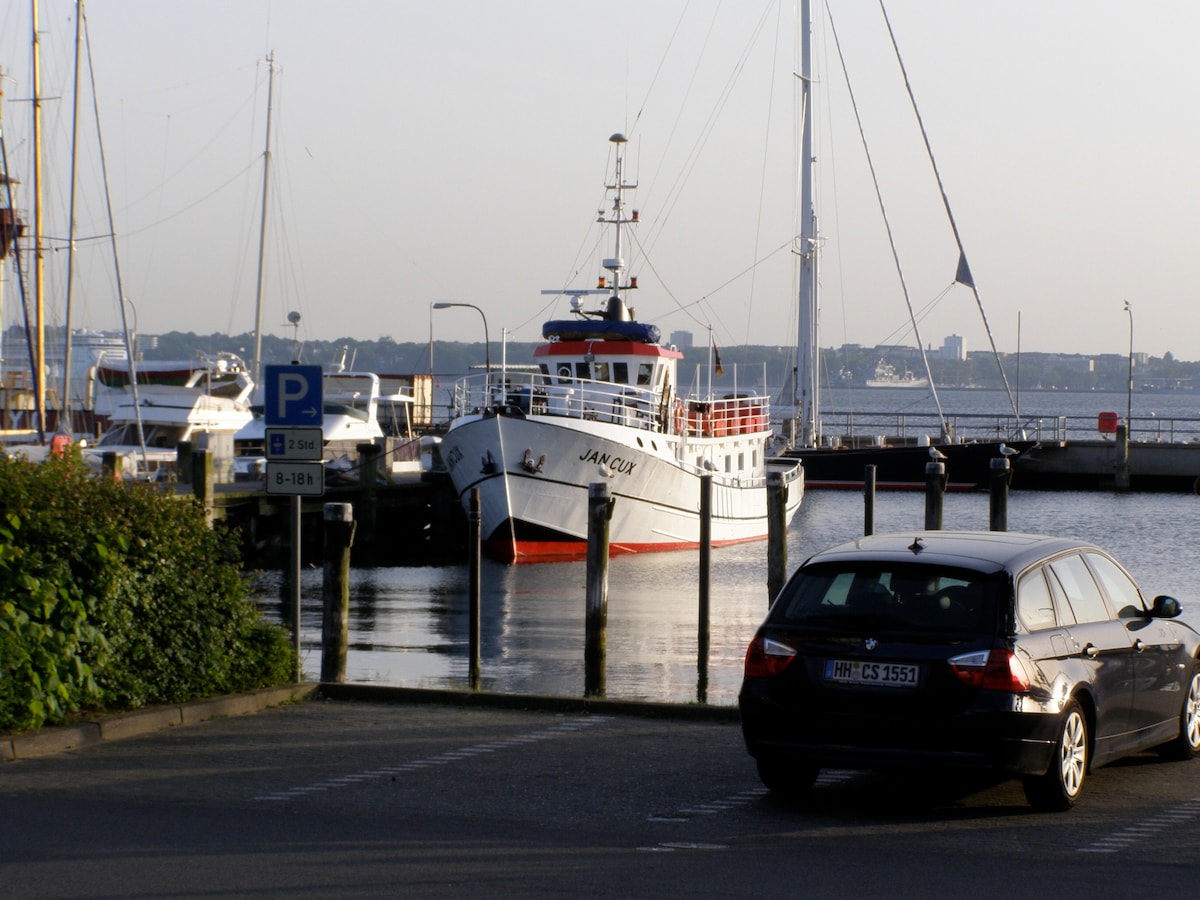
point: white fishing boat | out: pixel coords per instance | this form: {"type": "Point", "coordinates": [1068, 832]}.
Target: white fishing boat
{"type": "Point", "coordinates": [605, 405]}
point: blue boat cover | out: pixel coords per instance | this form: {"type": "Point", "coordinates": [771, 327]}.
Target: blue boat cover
{"type": "Point", "coordinates": [600, 330]}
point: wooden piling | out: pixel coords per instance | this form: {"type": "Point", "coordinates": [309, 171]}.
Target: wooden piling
{"type": "Point", "coordinates": [366, 507]}
{"type": "Point", "coordinates": [869, 476]}
{"type": "Point", "coordinates": [704, 629]}
{"type": "Point", "coordinates": [1001, 475]}
{"type": "Point", "coordinates": [935, 494]}
{"type": "Point", "coordinates": [777, 493]}
{"type": "Point", "coordinates": [204, 480]}
{"type": "Point", "coordinates": [474, 543]}
{"type": "Point", "coordinates": [335, 619]}
{"type": "Point", "coordinates": [594, 650]}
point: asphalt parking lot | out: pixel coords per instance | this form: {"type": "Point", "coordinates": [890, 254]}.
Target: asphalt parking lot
{"type": "Point", "coordinates": [353, 798]}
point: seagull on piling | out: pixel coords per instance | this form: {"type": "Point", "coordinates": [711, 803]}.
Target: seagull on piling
{"type": "Point", "coordinates": [1006, 450]}
{"type": "Point", "coordinates": [936, 455]}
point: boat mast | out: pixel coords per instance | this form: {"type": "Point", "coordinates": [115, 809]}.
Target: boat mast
{"type": "Point", "coordinates": [36, 364]}
{"type": "Point", "coordinates": [808, 341]}
{"type": "Point", "coordinates": [616, 265]}
{"type": "Point", "coordinates": [256, 363]}
{"type": "Point", "coordinates": [65, 425]}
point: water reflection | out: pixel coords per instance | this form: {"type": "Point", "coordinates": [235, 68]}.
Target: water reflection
{"type": "Point", "coordinates": [408, 625]}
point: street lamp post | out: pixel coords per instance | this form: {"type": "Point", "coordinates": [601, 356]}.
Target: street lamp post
{"type": "Point", "coordinates": [487, 344]}
{"type": "Point", "coordinates": [1122, 481]}
{"type": "Point", "coordinates": [1129, 402]}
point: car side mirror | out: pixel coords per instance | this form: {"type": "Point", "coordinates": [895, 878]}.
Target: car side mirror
{"type": "Point", "coordinates": [1165, 607]}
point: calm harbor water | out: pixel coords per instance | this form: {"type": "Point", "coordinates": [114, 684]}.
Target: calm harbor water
{"type": "Point", "coordinates": [408, 625]}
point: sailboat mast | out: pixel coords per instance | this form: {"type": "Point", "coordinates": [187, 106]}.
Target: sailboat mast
{"type": "Point", "coordinates": [65, 425]}
{"type": "Point", "coordinates": [256, 365]}
{"type": "Point", "coordinates": [37, 364]}
{"type": "Point", "coordinates": [808, 341]}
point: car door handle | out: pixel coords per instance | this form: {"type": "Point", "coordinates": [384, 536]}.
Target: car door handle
{"type": "Point", "coordinates": [1091, 651]}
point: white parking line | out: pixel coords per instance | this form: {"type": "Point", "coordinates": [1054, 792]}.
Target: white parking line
{"type": "Point", "coordinates": [1131, 834]}
{"type": "Point", "coordinates": [570, 727]}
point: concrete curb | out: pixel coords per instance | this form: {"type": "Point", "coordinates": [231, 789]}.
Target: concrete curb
{"type": "Point", "coordinates": [46, 741]}
{"type": "Point", "coordinates": [379, 693]}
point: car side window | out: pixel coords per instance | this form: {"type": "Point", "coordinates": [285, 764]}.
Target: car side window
{"type": "Point", "coordinates": [1035, 607]}
{"type": "Point", "coordinates": [1121, 590]}
{"type": "Point", "coordinates": [1083, 595]}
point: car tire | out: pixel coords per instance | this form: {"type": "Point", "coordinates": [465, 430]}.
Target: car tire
{"type": "Point", "coordinates": [787, 778]}
{"type": "Point", "coordinates": [1061, 785]}
{"type": "Point", "coordinates": [1187, 744]}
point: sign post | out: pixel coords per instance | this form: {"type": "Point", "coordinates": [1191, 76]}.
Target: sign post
{"type": "Point", "coordinates": [293, 413]}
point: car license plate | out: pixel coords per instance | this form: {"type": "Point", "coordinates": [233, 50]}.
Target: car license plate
{"type": "Point", "coordinates": [885, 674]}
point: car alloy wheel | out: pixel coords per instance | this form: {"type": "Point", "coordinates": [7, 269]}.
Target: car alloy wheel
{"type": "Point", "coordinates": [1062, 784]}
{"type": "Point", "coordinates": [1187, 745]}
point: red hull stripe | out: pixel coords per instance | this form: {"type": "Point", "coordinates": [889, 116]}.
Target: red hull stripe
{"type": "Point", "coordinates": [567, 551]}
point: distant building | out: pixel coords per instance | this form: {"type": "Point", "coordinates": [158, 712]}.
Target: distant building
{"type": "Point", "coordinates": [954, 346]}
{"type": "Point", "coordinates": [681, 339]}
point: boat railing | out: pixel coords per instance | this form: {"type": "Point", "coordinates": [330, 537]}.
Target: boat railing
{"type": "Point", "coordinates": [633, 406]}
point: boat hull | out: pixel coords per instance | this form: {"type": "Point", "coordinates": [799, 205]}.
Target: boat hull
{"type": "Point", "coordinates": [533, 476]}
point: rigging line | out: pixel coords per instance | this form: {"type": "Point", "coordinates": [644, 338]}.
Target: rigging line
{"type": "Point", "coordinates": [133, 379]}
{"type": "Point", "coordinates": [693, 157]}
{"type": "Point", "coordinates": [183, 167]}
{"type": "Point", "coordinates": [888, 227]}
{"type": "Point", "coordinates": [637, 117]}
{"type": "Point", "coordinates": [179, 212]}
{"type": "Point", "coordinates": [762, 185]}
{"type": "Point", "coordinates": [964, 270]}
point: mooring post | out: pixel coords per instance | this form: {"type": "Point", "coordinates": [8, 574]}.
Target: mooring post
{"type": "Point", "coordinates": [335, 619]}
{"type": "Point", "coordinates": [203, 480]}
{"type": "Point", "coordinates": [935, 493]}
{"type": "Point", "coordinates": [777, 493]}
{"type": "Point", "coordinates": [368, 489]}
{"type": "Point", "coordinates": [183, 461]}
{"type": "Point", "coordinates": [703, 630]}
{"type": "Point", "coordinates": [869, 500]}
{"type": "Point", "coordinates": [599, 514]}
{"type": "Point", "coordinates": [474, 542]}
{"type": "Point", "coordinates": [1001, 475]}
{"type": "Point", "coordinates": [1121, 481]}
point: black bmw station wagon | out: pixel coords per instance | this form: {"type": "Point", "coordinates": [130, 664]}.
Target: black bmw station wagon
{"type": "Point", "coordinates": [1030, 655]}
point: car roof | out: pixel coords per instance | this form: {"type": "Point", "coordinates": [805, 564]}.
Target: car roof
{"type": "Point", "coordinates": [983, 551]}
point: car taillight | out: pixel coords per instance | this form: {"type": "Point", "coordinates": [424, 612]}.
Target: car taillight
{"type": "Point", "coordinates": [767, 656]}
{"type": "Point", "coordinates": [991, 670]}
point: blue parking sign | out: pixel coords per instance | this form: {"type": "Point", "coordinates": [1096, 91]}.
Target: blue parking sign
{"type": "Point", "coordinates": [293, 395]}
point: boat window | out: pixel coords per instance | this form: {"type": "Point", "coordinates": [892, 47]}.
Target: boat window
{"type": "Point", "coordinates": [582, 370]}
{"type": "Point", "coordinates": [601, 372]}
{"type": "Point", "coordinates": [545, 369]}
{"type": "Point", "coordinates": [645, 370]}
{"type": "Point", "coordinates": [564, 373]}
{"type": "Point", "coordinates": [1083, 595]}
{"type": "Point", "coordinates": [741, 461]}
{"type": "Point", "coordinates": [728, 463]}
{"type": "Point", "coordinates": [620, 373]}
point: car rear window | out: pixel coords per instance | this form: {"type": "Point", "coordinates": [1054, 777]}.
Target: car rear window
{"type": "Point", "coordinates": [903, 597]}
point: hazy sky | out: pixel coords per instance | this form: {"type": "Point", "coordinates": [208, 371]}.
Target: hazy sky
{"type": "Point", "coordinates": [457, 151]}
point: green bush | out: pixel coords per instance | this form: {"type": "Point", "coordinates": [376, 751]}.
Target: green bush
{"type": "Point", "coordinates": [115, 596]}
